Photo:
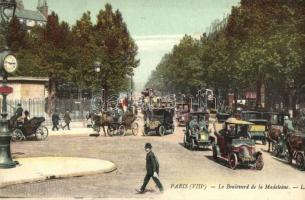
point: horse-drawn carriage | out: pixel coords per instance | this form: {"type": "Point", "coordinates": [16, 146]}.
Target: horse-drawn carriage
{"type": "Point", "coordinates": [116, 125]}
{"type": "Point", "coordinates": [31, 128]}
{"type": "Point", "coordinates": [296, 149]}
{"type": "Point", "coordinates": [276, 136]}
{"type": "Point", "coordinates": [159, 120]}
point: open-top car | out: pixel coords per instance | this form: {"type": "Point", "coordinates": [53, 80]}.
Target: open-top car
{"type": "Point", "coordinates": [160, 121]}
{"type": "Point", "coordinates": [258, 130]}
{"type": "Point", "coordinates": [234, 145]}
{"type": "Point", "coordinates": [182, 113]}
{"type": "Point", "coordinates": [196, 134]}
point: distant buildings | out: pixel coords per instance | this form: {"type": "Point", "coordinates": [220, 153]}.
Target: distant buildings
{"type": "Point", "coordinates": [30, 18]}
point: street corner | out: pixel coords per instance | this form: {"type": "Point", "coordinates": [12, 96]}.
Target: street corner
{"type": "Point", "coordinates": [45, 168]}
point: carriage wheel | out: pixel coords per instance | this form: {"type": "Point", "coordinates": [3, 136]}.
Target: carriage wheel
{"type": "Point", "coordinates": [259, 163]}
{"type": "Point", "coordinates": [110, 131]}
{"type": "Point", "coordinates": [17, 135]}
{"type": "Point", "coordinates": [121, 130]}
{"type": "Point", "coordinates": [233, 161]}
{"type": "Point", "coordinates": [299, 159]}
{"type": "Point", "coordinates": [161, 130]}
{"type": "Point", "coordinates": [135, 128]}
{"type": "Point", "coordinates": [42, 133]}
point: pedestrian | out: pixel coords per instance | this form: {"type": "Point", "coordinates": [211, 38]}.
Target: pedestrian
{"type": "Point", "coordinates": [55, 121]}
{"type": "Point", "coordinates": [19, 111]}
{"type": "Point", "coordinates": [152, 169]}
{"type": "Point", "coordinates": [67, 119]}
{"type": "Point", "coordinates": [26, 116]}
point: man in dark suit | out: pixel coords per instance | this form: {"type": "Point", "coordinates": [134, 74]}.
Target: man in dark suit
{"type": "Point", "coordinates": [67, 119]}
{"type": "Point", "coordinates": [55, 120]}
{"type": "Point", "coordinates": [152, 169]}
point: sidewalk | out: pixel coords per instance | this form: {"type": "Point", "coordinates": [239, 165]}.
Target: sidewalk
{"type": "Point", "coordinates": [73, 131]}
{"type": "Point", "coordinates": [45, 168]}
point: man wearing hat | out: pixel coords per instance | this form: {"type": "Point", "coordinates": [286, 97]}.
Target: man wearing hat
{"type": "Point", "coordinates": [152, 168]}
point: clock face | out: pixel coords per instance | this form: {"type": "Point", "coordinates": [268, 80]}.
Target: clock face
{"type": "Point", "coordinates": [10, 63]}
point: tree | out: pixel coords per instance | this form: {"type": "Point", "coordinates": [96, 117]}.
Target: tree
{"type": "Point", "coordinates": [116, 49]}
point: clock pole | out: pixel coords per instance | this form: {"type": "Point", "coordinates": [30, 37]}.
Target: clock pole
{"type": "Point", "coordinates": [7, 65]}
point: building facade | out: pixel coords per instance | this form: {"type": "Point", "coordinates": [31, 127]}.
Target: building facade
{"type": "Point", "coordinates": [30, 18]}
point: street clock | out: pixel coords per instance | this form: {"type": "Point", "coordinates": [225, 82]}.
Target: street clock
{"type": "Point", "coordinates": [10, 63]}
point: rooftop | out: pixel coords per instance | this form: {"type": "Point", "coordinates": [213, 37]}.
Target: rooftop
{"type": "Point", "coordinates": [30, 14]}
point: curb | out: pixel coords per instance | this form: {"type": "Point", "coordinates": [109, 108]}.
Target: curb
{"type": "Point", "coordinates": [29, 176]}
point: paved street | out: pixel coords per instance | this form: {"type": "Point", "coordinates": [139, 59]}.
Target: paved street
{"type": "Point", "coordinates": [178, 166]}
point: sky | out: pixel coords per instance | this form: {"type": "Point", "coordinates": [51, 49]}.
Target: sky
{"type": "Point", "coordinates": [155, 25]}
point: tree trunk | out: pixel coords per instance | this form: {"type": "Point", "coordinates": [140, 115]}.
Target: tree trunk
{"type": "Point", "coordinates": [258, 102]}
{"type": "Point", "coordinates": [51, 95]}
{"type": "Point", "coordinates": [235, 101]}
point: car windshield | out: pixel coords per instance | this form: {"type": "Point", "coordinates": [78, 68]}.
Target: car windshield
{"type": "Point", "coordinates": [247, 116]}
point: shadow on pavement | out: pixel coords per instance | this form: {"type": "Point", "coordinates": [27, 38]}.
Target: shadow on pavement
{"type": "Point", "coordinates": [198, 149]}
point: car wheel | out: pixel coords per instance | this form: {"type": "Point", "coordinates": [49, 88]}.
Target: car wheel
{"type": "Point", "coordinates": [214, 148]}
{"type": "Point", "coordinates": [121, 130]}
{"type": "Point", "coordinates": [192, 144]}
{"type": "Point", "coordinates": [184, 141]}
{"type": "Point", "coordinates": [299, 159]}
{"type": "Point", "coordinates": [162, 130]}
{"type": "Point", "coordinates": [259, 162]}
{"type": "Point", "coordinates": [233, 162]}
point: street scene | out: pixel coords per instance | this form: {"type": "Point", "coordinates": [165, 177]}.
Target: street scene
{"type": "Point", "coordinates": [152, 99]}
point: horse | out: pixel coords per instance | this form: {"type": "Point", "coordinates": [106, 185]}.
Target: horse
{"type": "Point", "coordinates": [273, 135]}
{"type": "Point", "coordinates": [101, 120]}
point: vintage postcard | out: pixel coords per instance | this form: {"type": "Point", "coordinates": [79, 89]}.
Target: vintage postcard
{"type": "Point", "coordinates": [152, 99]}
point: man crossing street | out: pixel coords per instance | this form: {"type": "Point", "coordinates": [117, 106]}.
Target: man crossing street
{"type": "Point", "coordinates": [152, 169]}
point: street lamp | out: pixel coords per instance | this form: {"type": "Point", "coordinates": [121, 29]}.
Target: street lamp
{"type": "Point", "coordinates": [97, 69]}
{"type": "Point", "coordinates": [97, 66]}
{"type": "Point", "coordinates": [131, 89]}
{"type": "Point", "coordinates": [8, 64]}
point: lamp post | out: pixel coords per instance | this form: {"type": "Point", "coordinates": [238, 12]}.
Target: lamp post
{"type": "Point", "coordinates": [97, 69]}
{"type": "Point", "coordinates": [131, 89]}
{"type": "Point", "coordinates": [8, 64]}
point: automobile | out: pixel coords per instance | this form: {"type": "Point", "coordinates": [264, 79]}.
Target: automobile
{"type": "Point", "coordinates": [196, 134]}
{"type": "Point", "coordinates": [258, 130]}
{"type": "Point", "coordinates": [182, 111]}
{"type": "Point", "coordinates": [159, 121]}
{"type": "Point", "coordinates": [234, 145]}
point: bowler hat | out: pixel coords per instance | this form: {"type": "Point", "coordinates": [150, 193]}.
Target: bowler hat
{"type": "Point", "coordinates": [148, 145]}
